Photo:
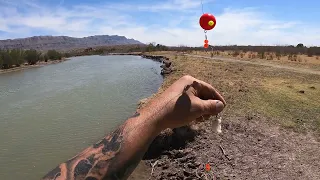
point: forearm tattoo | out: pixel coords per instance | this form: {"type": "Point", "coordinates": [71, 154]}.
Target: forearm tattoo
{"type": "Point", "coordinates": [96, 162]}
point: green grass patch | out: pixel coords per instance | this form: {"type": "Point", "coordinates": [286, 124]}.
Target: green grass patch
{"type": "Point", "coordinates": [293, 104]}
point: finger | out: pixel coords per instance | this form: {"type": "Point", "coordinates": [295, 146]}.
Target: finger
{"type": "Point", "coordinates": [206, 91]}
{"type": "Point", "coordinates": [212, 107]}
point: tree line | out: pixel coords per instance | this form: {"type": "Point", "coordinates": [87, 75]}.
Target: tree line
{"type": "Point", "coordinates": [17, 57]}
{"type": "Point", "coordinates": [289, 50]}
{"type": "Point", "coordinates": [281, 50]}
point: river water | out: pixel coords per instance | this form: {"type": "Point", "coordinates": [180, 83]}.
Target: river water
{"type": "Point", "coordinates": [49, 114]}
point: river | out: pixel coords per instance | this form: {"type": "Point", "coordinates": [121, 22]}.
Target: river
{"type": "Point", "coordinates": [49, 114]}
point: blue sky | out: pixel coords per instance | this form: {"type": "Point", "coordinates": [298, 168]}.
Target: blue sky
{"type": "Point", "coordinates": [169, 22]}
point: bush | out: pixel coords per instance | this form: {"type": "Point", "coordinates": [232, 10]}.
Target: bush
{"type": "Point", "coordinates": [309, 52]}
{"type": "Point", "coordinates": [1, 60]}
{"type": "Point", "coordinates": [235, 54]}
{"type": "Point", "coordinates": [54, 55]}
{"type": "Point", "coordinates": [7, 61]}
{"type": "Point", "coordinates": [32, 56]}
{"type": "Point", "coordinates": [17, 57]}
{"type": "Point", "coordinates": [294, 57]}
{"type": "Point", "coordinates": [261, 55]}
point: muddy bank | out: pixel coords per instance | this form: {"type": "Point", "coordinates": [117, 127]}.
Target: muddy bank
{"type": "Point", "coordinates": [27, 66]}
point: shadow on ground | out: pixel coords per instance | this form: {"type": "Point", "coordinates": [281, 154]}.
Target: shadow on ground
{"type": "Point", "coordinates": [170, 140]}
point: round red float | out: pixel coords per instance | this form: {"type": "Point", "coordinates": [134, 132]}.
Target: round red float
{"type": "Point", "coordinates": [205, 23]}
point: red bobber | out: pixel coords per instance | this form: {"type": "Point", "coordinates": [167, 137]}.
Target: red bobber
{"type": "Point", "coordinates": [207, 21]}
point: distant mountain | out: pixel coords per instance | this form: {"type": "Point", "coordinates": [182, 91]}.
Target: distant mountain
{"type": "Point", "coordinates": [65, 42]}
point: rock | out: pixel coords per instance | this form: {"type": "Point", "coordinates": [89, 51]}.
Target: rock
{"type": "Point", "coordinates": [301, 91]}
{"type": "Point", "coordinates": [172, 174]}
{"type": "Point", "coordinates": [186, 173]}
{"type": "Point", "coordinates": [166, 70]}
{"type": "Point", "coordinates": [193, 165]}
{"type": "Point", "coordinates": [166, 166]}
{"type": "Point", "coordinates": [167, 63]}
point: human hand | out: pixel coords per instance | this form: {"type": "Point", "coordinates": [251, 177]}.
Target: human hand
{"type": "Point", "coordinates": [185, 101]}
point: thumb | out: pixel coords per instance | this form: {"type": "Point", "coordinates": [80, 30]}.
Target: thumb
{"type": "Point", "coordinates": [212, 107]}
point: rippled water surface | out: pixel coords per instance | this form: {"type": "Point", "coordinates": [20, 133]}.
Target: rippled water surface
{"type": "Point", "coordinates": [49, 114]}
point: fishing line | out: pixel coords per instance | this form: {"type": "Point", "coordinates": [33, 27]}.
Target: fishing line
{"type": "Point", "coordinates": [202, 7]}
{"type": "Point", "coordinates": [207, 22]}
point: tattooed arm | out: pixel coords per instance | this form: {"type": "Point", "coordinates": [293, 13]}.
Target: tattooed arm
{"type": "Point", "coordinates": [116, 155]}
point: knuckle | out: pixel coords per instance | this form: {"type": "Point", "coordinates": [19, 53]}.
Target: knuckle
{"type": "Point", "coordinates": [187, 77]}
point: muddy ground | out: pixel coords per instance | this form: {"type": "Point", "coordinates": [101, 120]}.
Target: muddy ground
{"type": "Point", "coordinates": [270, 126]}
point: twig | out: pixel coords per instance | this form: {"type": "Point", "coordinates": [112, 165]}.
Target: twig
{"type": "Point", "coordinates": [211, 175]}
{"type": "Point", "coordinates": [153, 165]}
{"type": "Point", "coordinates": [198, 174]}
{"type": "Point", "coordinates": [224, 153]}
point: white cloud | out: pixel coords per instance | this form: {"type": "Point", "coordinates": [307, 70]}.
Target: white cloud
{"type": "Point", "coordinates": [179, 25]}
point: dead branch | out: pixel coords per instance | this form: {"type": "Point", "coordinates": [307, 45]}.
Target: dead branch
{"type": "Point", "coordinates": [198, 174]}
{"type": "Point", "coordinates": [224, 153]}
{"type": "Point", "coordinates": [153, 165]}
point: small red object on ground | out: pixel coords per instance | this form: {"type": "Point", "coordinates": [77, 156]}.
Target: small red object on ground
{"type": "Point", "coordinates": [208, 168]}
{"type": "Point", "coordinates": [207, 21]}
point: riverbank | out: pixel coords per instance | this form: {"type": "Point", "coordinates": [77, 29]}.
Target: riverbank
{"type": "Point", "coordinates": [27, 66]}
{"type": "Point", "coordinates": [271, 126]}
{"type": "Point", "coordinates": [166, 63]}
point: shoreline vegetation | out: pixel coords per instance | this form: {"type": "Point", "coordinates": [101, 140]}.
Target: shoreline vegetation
{"type": "Point", "coordinates": [18, 59]}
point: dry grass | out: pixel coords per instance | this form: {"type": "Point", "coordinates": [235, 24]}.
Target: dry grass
{"type": "Point", "coordinates": [300, 60]}
{"type": "Point", "coordinates": [273, 93]}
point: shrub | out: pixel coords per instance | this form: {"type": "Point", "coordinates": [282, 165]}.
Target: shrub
{"type": "Point", "coordinates": [54, 55]}
{"type": "Point", "coordinates": [32, 56]}
{"type": "Point", "coordinates": [235, 53]}
{"type": "Point", "coordinates": [261, 55]}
